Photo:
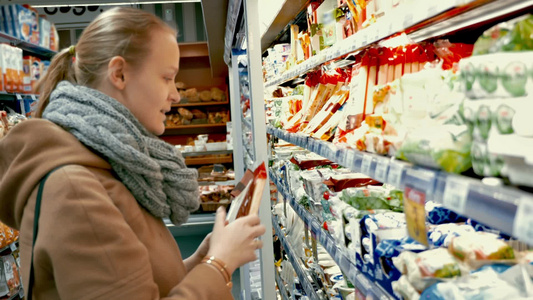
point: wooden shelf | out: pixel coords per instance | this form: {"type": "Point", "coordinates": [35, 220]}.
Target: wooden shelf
{"type": "Point", "coordinates": [191, 50]}
{"type": "Point", "coordinates": [195, 129]}
{"type": "Point", "coordinates": [208, 160]}
{"type": "Point", "coordinates": [211, 103]}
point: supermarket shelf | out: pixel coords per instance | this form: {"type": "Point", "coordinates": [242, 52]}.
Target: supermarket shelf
{"type": "Point", "coordinates": [234, 7]}
{"type": "Point", "coordinates": [9, 248]}
{"type": "Point", "coordinates": [246, 122]}
{"type": "Point", "coordinates": [338, 253]}
{"type": "Point", "coordinates": [15, 96]}
{"type": "Point", "coordinates": [27, 47]}
{"type": "Point", "coordinates": [285, 14]}
{"type": "Point", "coordinates": [421, 20]}
{"type": "Point", "coordinates": [208, 160]}
{"type": "Point", "coordinates": [228, 182]}
{"type": "Point", "coordinates": [193, 129]}
{"type": "Point", "coordinates": [281, 287]}
{"type": "Point", "coordinates": [305, 281]}
{"type": "Point", "coordinates": [202, 153]}
{"type": "Point", "coordinates": [494, 206]}
{"type": "Point", "coordinates": [194, 104]}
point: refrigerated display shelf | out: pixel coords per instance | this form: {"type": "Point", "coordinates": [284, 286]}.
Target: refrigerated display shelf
{"type": "Point", "coordinates": [501, 207]}
{"type": "Point", "coordinates": [202, 153]}
{"type": "Point", "coordinates": [337, 252]}
{"type": "Point", "coordinates": [302, 276]}
{"type": "Point", "coordinates": [229, 182]}
{"type": "Point", "coordinates": [247, 122]}
{"type": "Point", "coordinates": [421, 20]}
{"type": "Point", "coordinates": [281, 287]}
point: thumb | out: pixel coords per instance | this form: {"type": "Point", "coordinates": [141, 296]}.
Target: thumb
{"type": "Point", "coordinates": [220, 219]}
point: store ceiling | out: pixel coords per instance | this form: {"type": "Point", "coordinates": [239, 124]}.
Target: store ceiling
{"type": "Point", "coordinates": [214, 16]}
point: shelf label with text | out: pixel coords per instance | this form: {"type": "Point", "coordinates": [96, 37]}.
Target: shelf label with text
{"type": "Point", "coordinates": [455, 194]}
{"type": "Point", "coordinates": [415, 214]}
{"type": "Point", "coordinates": [349, 158]}
{"type": "Point", "coordinates": [366, 164]}
{"type": "Point", "coordinates": [523, 223]}
{"type": "Point", "coordinates": [395, 174]}
{"type": "Point", "coordinates": [381, 170]}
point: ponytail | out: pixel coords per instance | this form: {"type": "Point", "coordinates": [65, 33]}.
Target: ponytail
{"type": "Point", "coordinates": [61, 68]}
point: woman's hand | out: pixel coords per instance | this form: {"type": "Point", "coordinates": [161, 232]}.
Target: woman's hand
{"type": "Point", "coordinates": [235, 243]}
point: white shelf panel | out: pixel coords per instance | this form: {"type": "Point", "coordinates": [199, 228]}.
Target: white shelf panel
{"type": "Point", "coordinates": [494, 206]}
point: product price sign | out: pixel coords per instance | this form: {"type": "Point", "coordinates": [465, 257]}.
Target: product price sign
{"type": "Point", "coordinates": [366, 164]}
{"type": "Point", "coordinates": [381, 170]}
{"type": "Point", "coordinates": [455, 194]}
{"type": "Point", "coordinates": [415, 214]}
{"type": "Point", "coordinates": [523, 221]}
{"type": "Point", "coordinates": [338, 256]}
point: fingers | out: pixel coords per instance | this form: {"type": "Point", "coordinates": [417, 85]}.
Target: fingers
{"type": "Point", "coordinates": [220, 219]}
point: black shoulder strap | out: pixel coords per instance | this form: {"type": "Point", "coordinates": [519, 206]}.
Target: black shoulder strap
{"type": "Point", "coordinates": [36, 228]}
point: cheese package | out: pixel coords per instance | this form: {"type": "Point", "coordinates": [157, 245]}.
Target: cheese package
{"type": "Point", "coordinates": [45, 33]}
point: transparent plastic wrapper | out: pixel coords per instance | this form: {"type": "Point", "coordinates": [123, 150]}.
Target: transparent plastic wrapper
{"type": "Point", "coordinates": [488, 283]}
{"type": "Point", "coordinates": [481, 248]}
{"type": "Point", "coordinates": [429, 267]}
{"type": "Point", "coordinates": [512, 35]}
{"type": "Point", "coordinates": [445, 147]}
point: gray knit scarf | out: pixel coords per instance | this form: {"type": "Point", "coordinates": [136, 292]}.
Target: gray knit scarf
{"type": "Point", "coordinates": [153, 170]}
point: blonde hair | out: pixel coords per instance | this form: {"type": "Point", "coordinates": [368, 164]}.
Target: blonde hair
{"type": "Point", "coordinates": [120, 31]}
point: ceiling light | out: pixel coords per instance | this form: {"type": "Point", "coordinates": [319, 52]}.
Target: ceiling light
{"type": "Point", "coordinates": [89, 3]}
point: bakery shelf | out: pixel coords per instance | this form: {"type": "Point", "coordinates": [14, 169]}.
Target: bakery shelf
{"type": "Point", "coordinates": [202, 153]}
{"type": "Point", "coordinates": [281, 287]}
{"type": "Point", "coordinates": [195, 129]}
{"type": "Point", "coordinates": [208, 160]}
{"type": "Point", "coordinates": [26, 46]}
{"type": "Point", "coordinates": [305, 281]}
{"type": "Point", "coordinates": [337, 252]}
{"type": "Point", "coordinates": [421, 20]}
{"type": "Point", "coordinates": [194, 50]}
{"type": "Point", "coordinates": [228, 182]}
{"type": "Point", "coordinates": [500, 207]}
{"type": "Point", "coordinates": [195, 104]}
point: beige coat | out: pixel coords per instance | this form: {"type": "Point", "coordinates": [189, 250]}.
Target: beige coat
{"type": "Point", "coordinates": [94, 240]}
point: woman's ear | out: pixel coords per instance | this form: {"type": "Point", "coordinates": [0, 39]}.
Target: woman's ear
{"type": "Point", "coordinates": [116, 71]}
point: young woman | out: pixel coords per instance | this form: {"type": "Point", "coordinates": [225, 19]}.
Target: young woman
{"type": "Point", "coordinates": [101, 234]}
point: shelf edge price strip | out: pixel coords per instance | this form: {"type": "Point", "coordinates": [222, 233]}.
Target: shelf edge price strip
{"type": "Point", "coordinates": [523, 223]}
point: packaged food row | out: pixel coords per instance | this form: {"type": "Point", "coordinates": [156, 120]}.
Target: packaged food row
{"type": "Point", "coordinates": [8, 120]}
{"type": "Point", "coordinates": [20, 73]}
{"type": "Point", "coordinates": [10, 276]}
{"type": "Point", "coordinates": [432, 104]}
{"type": "Point", "coordinates": [328, 23]}
{"type": "Point", "coordinates": [25, 23]}
{"type": "Point", "coordinates": [367, 221]}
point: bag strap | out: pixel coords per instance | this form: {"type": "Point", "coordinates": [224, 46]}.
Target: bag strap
{"type": "Point", "coordinates": [36, 228]}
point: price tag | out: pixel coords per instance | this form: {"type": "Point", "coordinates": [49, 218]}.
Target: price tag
{"type": "Point", "coordinates": [395, 174]}
{"type": "Point", "coordinates": [415, 214]}
{"type": "Point", "coordinates": [523, 223]}
{"type": "Point", "coordinates": [13, 247]}
{"type": "Point", "coordinates": [315, 227]}
{"type": "Point", "coordinates": [349, 158]}
{"type": "Point", "coordinates": [381, 170]}
{"type": "Point", "coordinates": [332, 248]}
{"type": "Point", "coordinates": [366, 164]}
{"type": "Point", "coordinates": [455, 194]}
{"type": "Point", "coordinates": [364, 38]}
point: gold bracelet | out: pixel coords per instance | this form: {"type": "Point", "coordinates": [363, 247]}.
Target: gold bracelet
{"type": "Point", "coordinates": [221, 266]}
